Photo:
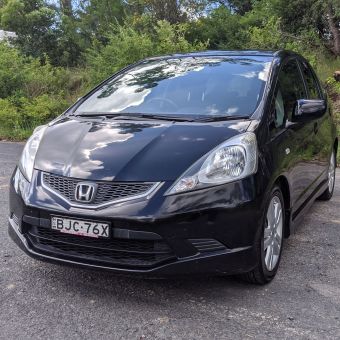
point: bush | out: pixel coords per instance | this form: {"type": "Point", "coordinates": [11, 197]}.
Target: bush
{"type": "Point", "coordinates": [9, 116]}
{"type": "Point", "coordinates": [12, 73]}
{"type": "Point", "coordinates": [31, 94]}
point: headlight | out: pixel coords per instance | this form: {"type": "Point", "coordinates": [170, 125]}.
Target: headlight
{"type": "Point", "coordinates": [21, 185]}
{"type": "Point", "coordinates": [232, 160]}
{"type": "Point", "coordinates": [26, 163]}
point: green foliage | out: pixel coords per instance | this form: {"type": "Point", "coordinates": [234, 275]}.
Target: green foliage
{"type": "Point", "coordinates": [11, 71]}
{"type": "Point", "coordinates": [9, 116]}
{"type": "Point", "coordinates": [65, 47]}
{"type": "Point", "coordinates": [222, 29]}
{"type": "Point", "coordinates": [321, 16]}
{"type": "Point", "coordinates": [20, 115]}
{"type": "Point", "coordinates": [333, 88]}
{"type": "Point", "coordinates": [33, 22]}
{"type": "Point", "coordinates": [128, 45]}
{"type": "Point", "coordinates": [333, 85]}
{"type": "Point", "coordinates": [267, 36]}
{"type": "Point", "coordinates": [31, 93]}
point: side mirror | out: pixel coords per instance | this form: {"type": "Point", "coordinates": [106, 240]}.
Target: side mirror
{"type": "Point", "coordinates": [309, 109]}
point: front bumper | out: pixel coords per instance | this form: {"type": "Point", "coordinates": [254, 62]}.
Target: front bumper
{"type": "Point", "coordinates": [223, 263]}
{"type": "Point", "coordinates": [172, 238]}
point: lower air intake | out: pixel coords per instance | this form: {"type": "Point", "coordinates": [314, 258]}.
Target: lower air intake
{"type": "Point", "coordinates": [207, 245]}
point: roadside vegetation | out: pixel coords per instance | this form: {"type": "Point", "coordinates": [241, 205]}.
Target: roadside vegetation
{"type": "Point", "coordinates": [64, 47]}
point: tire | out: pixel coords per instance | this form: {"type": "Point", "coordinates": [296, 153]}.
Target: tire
{"type": "Point", "coordinates": [265, 270]}
{"type": "Point", "coordinates": [328, 193]}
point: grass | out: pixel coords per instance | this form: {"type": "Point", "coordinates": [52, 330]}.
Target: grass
{"type": "Point", "coordinates": [17, 135]}
{"type": "Point", "coordinates": [326, 67]}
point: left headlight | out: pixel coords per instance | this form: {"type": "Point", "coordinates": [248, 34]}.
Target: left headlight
{"type": "Point", "coordinates": [232, 160]}
{"type": "Point", "coordinates": [26, 163]}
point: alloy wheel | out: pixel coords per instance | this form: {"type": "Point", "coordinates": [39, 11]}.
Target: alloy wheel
{"type": "Point", "coordinates": [273, 231]}
{"type": "Point", "coordinates": [331, 173]}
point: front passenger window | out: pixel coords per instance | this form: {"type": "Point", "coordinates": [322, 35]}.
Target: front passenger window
{"type": "Point", "coordinates": [312, 86]}
{"type": "Point", "coordinates": [279, 110]}
{"type": "Point", "coordinates": [292, 87]}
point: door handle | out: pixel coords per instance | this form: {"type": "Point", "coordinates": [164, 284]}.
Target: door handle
{"type": "Point", "coordinates": [316, 127]}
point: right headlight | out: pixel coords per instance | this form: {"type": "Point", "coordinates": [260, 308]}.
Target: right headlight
{"type": "Point", "coordinates": [21, 184]}
{"type": "Point", "coordinates": [27, 159]}
{"type": "Point", "coordinates": [232, 160]}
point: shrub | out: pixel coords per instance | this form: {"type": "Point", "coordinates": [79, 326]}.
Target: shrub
{"type": "Point", "coordinates": [31, 93]}
{"type": "Point", "coordinates": [12, 73]}
{"type": "Point", "coordinates": [9, 116]}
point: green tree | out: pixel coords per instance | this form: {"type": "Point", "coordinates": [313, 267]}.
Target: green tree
{"type": "Point", "coordinates": [33, 22]}
{"type": "Point", "coordinates": [239, 6]}
{"type": "Point", "coordinates": [321, 16]}
{"type": "Point", "coordinates": [96, 18]}
{"type": "Point", "coordinates": [169, 10]}
{"type": "Point", "coordinates": [222, 28]}
{"type": "Point", "coordinates": [127, 45]}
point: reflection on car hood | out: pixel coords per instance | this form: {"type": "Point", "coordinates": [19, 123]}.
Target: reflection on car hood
{"type": "Point", "coordinates": [123, 150]}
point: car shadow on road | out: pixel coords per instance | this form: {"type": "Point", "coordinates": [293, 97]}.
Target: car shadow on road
{"type": "Point", "coordinates": [108, 288]}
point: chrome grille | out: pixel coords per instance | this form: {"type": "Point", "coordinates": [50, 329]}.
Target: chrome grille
{"type": "Point", "coordinates": [106, 192]}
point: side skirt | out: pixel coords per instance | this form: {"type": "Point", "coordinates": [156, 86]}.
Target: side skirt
{"type": "Point", "coordinates": [297, 216]}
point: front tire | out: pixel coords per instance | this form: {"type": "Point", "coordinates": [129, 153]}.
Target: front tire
{"type": "Point", "coordinates": [269, 244]}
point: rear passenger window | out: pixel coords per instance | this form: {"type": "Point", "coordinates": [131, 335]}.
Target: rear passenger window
{"type": "Point", "coordinates": [312, 86]}
{"type": "Point", "coordinates": [290, 87]}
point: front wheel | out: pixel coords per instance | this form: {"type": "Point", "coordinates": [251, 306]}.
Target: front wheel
{"type": "Point", "coordinates": [269, 244]}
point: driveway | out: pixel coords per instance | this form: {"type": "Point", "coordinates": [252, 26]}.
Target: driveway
{"type": "Point", "coordinates": [44, 301]}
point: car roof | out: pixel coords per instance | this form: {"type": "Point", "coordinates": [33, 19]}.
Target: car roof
{"type": "Point", "coordinates": [239, 53]}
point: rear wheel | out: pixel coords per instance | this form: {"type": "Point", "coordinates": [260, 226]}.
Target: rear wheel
{"type": "Point", "coordinates": [269, 244]}
{"type": "Point", "coordinates": [328, 193]}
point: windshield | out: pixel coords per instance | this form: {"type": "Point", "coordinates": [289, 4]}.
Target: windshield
{"type": "Point", "coordinates": [208, 86]}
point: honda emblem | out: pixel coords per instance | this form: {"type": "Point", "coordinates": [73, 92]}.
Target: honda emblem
{"type": "Point", "coordinates": [85, 192]}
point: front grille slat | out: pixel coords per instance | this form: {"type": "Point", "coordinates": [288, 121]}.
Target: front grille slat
{"type": "Point", "coordinates": [106, 192]}
{"type": "Point", "coordinates": [118, 252]}
{"type": "Point", "coordinates": [127, 246]}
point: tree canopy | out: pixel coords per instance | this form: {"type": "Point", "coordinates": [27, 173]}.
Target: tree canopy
{"type": "Point", "coordinates": [64, 47]}
{"type": "Point", "coordinates": [64, 30]}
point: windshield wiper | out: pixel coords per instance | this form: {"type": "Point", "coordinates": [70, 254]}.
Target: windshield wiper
{"type": "Point", "coordinates": [221, 118]}
{"type": "Point", "coordinates": [96, 114]}
{"type": "Point", "coordinates": [142, 116]}
{"type": "Point", "coordinates": [136, 116]}
{"type": "Point", "coordinates": [164, 117]}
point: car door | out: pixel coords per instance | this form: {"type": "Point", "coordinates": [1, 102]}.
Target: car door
{"type": "Point", "coordinates": [322, 139]}
{"type": "Point", "coordinates": [296, 145]}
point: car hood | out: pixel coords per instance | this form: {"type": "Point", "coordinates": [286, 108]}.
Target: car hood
{"type": "Point", "coordinates": [128, 150]}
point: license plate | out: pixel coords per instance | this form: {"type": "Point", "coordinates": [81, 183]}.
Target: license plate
{"type": "Point", "coordinates": [80, 227]}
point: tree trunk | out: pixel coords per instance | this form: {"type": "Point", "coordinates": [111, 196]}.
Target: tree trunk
{"type": "Point", "coordinates": [66, 7]}
{"type": "Point", "coordinates": [166, 10]}
{"type": "Point", "coordinates": [334, 29]}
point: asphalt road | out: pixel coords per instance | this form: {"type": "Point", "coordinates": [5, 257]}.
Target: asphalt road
{"type": "Point", "coordinates": [44, 301]}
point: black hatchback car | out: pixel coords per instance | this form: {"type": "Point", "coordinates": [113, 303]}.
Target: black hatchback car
{"type": "Point", "coordinates": [182, 164]}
